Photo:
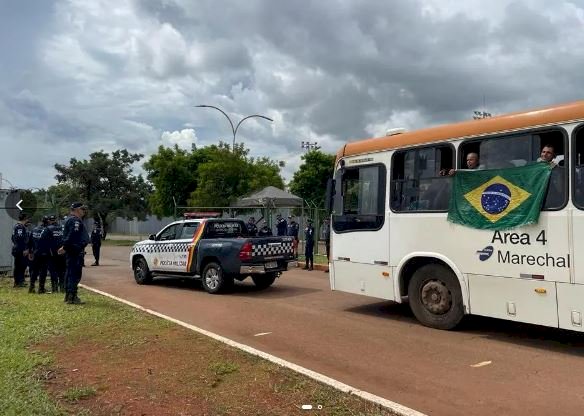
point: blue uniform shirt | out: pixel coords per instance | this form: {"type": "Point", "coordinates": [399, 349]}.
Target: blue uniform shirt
{"type": "Point", "coordinates": [293, 228]}
{"type": "Point", "coordinates": [282, 226]}
{"type": "Point", "coordinates": [19, 238]}
{"type": "Point", "coordinates": [309, 234]}
{"type": "Point", "coordinates": [96, 236]}
{"type": "Point", "coordinates": [75, 237]}
{"type": "Point", "coordinates": [40, 242]}
{"type": "Point", "coordinates": [56, 231]}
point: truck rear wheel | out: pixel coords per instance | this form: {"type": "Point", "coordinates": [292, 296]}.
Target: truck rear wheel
{"type": "Point", "coordinates": [263, 281]}
{"type": "Point", "coordinates": [435, 297]}
{"type": "Point", "coordinates": [214, 280]}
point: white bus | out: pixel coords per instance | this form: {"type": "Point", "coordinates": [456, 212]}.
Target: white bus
{"type": "Point", "coordinates": [390, 237]}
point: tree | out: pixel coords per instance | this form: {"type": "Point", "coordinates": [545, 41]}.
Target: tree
{"type": "Point", "coordinates": [309, 181]}
{"type": "Point", "coordinates": [173, 172]}
{"type": "Point", "coordinates": [106, 183]}
{"type": "Point", "coordinates": [227, 175]}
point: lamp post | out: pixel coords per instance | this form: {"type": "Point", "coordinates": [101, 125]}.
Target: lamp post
{"type": "Point", "coordinates": [308, 146]}
{"type": "Point", "coordinates": [234, 129]}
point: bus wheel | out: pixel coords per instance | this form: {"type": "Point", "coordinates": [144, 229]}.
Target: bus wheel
{"type": "Point", "coordinates": [435, 297]}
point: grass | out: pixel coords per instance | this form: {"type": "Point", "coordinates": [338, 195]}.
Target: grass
{"type": "Point", "coordinates": [74, 394]}
{"type": "Point", "coordinates": [27, 319]}
{"type": "Point", "coordinates": [105, 357]}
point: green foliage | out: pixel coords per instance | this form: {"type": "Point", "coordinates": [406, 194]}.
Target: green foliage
{"type": "Point", "coordinates": [211, 176]}
{"type": "Point", "coordinates": [173, 172]}
{"type": "Point", "coordinates": [228, 175]}
{"type": "Point", "coordinates": [309, 181]}
{"type": "Point", "coordinates": [107, 184]}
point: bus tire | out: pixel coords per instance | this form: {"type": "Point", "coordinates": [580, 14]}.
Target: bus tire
{"type": "Point", "coordinates": [435, 297]}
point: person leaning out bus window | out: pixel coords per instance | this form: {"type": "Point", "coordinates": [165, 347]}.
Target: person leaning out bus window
{"type": "Point", "coordinates": [548, 154]}
{"type": "Point", "coordinates": [472, 163]}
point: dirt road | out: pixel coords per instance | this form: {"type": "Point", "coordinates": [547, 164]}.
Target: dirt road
{"type": "Point", "coordinates": [375, 345]}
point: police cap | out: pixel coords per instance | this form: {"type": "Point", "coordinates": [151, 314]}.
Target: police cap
{"type": "Point", "coordinates": [76, 205]}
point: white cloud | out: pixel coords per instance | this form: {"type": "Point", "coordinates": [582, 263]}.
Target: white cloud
{"type": "Point", "coordinates": [85, 75]}
{"type": "Point", "coordinates": [184, 138]}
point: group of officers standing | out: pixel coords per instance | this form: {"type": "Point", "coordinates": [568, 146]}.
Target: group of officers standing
{"type": "Point", "coordinates": [54, 249]}
{"type": "Point", "coordinates": [291, 228]}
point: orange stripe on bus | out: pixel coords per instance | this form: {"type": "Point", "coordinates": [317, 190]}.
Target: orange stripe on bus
{"type": "Point", "coordinates": [564, 113]}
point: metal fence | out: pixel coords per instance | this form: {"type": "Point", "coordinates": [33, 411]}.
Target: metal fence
{"type": "Point", "coordinates": [6, 225]}
{"type": "Point", "coordinates": [153, 224]}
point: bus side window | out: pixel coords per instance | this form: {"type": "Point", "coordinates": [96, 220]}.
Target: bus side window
{"type": "Point", "coordinates": [578, 146]}
{"type": "Point", "coordinates": [520, 149]}
{"type": "Point", "coordinates": [418, 182]}
{"type": "Point", "coordinates": [362, 200]}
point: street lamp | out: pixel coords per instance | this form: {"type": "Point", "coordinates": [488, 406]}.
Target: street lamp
{"type": "Point", "coordinates": [310, 146]}
{"type": "Point", "coordinates": [479, 115]}
{"type": "Point", "coordinates": [234, 129]}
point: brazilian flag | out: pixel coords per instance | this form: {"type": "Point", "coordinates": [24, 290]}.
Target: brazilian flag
{"type": "Point", "coordinates": [499, 199]}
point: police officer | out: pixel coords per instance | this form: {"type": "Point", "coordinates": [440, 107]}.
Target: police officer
{"type": "Point", "coordinates": [293, 229]}
{"type": "Point", "coordinates": [20, 249]}
{"type": "Point", "coordinates": [57, 261]}
{"type": "Point", "coordinates": [96, 236]}
{"type": "Point", "coordinates": [265, 231]}
{"type": "Point", "coordinates": [75, 239]}
{"type": "Point", "coordinates": [281, 225]}
{"type": "Point", "coordinates": [252, 228]}
{"type": "Point", "coordinates": [39, 253]}
{"type": "Point", "coordinates": [309, 245]}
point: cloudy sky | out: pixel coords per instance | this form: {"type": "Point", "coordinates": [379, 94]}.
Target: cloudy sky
{"type": "Point", "coordinates": [78, 76]}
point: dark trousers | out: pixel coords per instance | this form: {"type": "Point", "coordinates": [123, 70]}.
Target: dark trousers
{"type": "Point", "coordinates": [308, 250]}
{"type": "Point", "coordinates": [40, 266]}
{"type": "Point", "coordinates": [96, 248]}
{"type": "Point", "coordinates": [19, 268]}
{"type": "Point", "coordinates": [73, 273]}
{"type": "Point", "coordinates": [59, 266]}
{"type": "Point", "coordinates": [327, 246]}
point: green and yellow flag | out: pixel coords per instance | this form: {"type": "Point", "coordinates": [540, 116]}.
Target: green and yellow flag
{"type": "Point", "coordinates": [499, 199]}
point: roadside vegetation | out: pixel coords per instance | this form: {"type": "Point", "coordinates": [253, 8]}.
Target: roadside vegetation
{"type": "Point", "coordinates": [105, 358]}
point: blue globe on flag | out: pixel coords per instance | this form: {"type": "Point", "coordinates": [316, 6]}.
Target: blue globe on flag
{"type": "Point", "coordinates": [496, 198]}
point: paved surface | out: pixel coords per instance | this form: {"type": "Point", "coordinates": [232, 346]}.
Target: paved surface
{"type": "Point", "coordinates": [376, 345]}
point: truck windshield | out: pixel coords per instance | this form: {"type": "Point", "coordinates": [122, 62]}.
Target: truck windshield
{"type": "Point", "coordinates": [225, 229]}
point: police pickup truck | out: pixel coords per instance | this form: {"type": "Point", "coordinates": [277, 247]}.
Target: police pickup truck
{"type": "Point", "coordinates": [217, 251]}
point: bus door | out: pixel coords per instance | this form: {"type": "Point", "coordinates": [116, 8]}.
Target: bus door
{"type": "Point", "coordinates": [360, 229]}
{"type": "Point", "coordinates": [571, 297]}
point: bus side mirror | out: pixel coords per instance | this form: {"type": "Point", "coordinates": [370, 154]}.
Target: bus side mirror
{"type": "Point", "coordinates": [330, 193]}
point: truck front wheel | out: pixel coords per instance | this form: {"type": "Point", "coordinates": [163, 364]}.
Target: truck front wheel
{"type": "Point", "coordinates": [214, 280]}
{"type": "Point", "coordinates": [263, 281]}
{"type": "Point", "coordinates": [142, 273]}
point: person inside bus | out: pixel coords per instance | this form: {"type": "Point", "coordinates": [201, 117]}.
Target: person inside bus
{"type": "Point", "coordinates": [548, 154]}
{"type": "Point", "coordinates": [555, 194]}
{"type": "Point", "coordinates": [472, 163]}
